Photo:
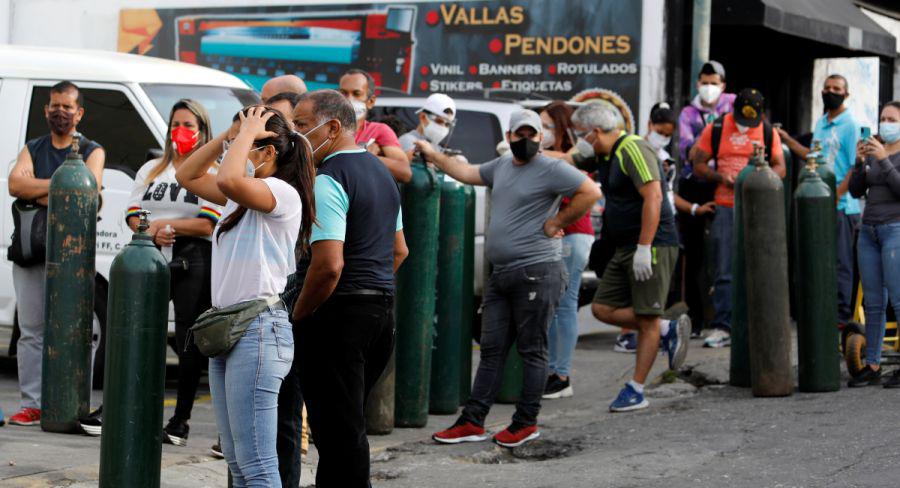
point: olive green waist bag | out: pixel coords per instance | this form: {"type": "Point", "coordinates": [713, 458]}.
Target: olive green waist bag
{"type": "Point", "coordinates": [217, 330]}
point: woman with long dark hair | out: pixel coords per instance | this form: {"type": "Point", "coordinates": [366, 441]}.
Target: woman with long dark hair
{"type": "Point", "coordinates": [265, 182]}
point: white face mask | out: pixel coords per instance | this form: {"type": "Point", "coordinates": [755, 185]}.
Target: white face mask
{"type": "Point", "coordinates": [585, 148]}
{"type": "Point", "coordinates": [359, 108]}
{"type": "Point", "coordinates": [657, 140]}
{"type": "Point", "coordinates": [251, 168]}
{"type": "Point", "coordinates": [742, 128]}
{"type": "Point", "coordinates": [549, 139]}
{"type": "Point", "coordinates": [709, 93]}
{"type": "Point", "coordinates": [310, 131]}
{"type": "Point", "coordinates": [435, 132]}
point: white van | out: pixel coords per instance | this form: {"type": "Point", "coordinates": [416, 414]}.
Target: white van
{"type": "Point", "coordinates": [127, 100]}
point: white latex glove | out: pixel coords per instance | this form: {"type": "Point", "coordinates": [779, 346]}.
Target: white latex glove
{"type": "Point", "coordinates": [642, 263]}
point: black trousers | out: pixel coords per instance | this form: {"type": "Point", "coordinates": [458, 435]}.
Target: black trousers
{"type": "Point", "coordinates": [345, 346]}
{"type": "Point", "coordinates": [693, 237]}
{"type": "Point", "coordinates": [290, 421]}
{"type": "Point", "coordinates": [190, 293]}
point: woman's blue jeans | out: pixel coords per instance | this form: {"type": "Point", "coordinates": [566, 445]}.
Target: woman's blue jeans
{"type": "Point", "coordinates": [244, 384]}
{"type": "Point", "coordinates": [878, 251]}
{"type": "Point", "coordinates": [563, 333]}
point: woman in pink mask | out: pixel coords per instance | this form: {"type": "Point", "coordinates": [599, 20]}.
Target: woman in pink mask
{"type": "Point", "coordinates": [181, 225]}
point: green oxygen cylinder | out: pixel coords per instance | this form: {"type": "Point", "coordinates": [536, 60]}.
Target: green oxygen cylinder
{"type": "Point", "coordinates": [739, 371]}
{"type": "Point", "coordinates": [765, 250]}
{"type": "Point", "coordinates": [825, 168]}
{"type": "Point", "coordinates": [134, 385]}
{"type": "Point", "coordinates": [416, 297]}
{"type": "Point", "coordinates": [468, 306]}
{"type": "Point", "coordinates": [446, 362]}
{"type": "Point", "coordinates": [69, 295]}
{"type": "Point", "coordinates": [817, 334]}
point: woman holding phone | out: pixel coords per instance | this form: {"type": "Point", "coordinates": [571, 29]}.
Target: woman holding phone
{"type": "Point", "coordinates": [876, 176]}
{"type": "Point", "coordinates": [265, 183]}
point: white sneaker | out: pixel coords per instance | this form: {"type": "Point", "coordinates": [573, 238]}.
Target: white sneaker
{"type": "Point", "coordinates": [717, 338]}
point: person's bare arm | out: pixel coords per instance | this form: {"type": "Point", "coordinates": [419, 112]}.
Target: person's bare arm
{"type": "Point", "coordinates": [22, 183]}
{"type": "Point", "coordinates": [458, 169]}
{"type": "Point", "coordinates": [651, 192]}
{"type": "Point", "coordinates": [194, 174]}
{"type": "Point", "coordinates": [584, 198]}
{"type": "Point", "coordinates": [95, 163]}
{"type": "Point", "coordinates": [321, 279]}
{"type": "Point", "coordinates": [397, 163]}
{"type": "Point", "coordinates": [400, 250]}
{"type": "Point", "coordinates": [193, 227]}
{"type": "Point", "coordinates": [799, 149]}
{"type": "Point", "coordinates": [777, 162]}
{"type": "Point", "coordinates": [701, 161]}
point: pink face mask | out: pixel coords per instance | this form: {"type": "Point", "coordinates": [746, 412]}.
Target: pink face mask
{"type": "Point", "coordinates": [184, 140]}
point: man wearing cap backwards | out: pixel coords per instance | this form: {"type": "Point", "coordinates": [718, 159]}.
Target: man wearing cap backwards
{"type": "Point", "coordinates": [528, 277]}
{"type": "Point", "coordinates": [436, 117]}
{"type": "Point", "coordinates": [740, 129]}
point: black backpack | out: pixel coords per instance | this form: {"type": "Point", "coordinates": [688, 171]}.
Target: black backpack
{"type": "Point", "coordinates": [717, 137]}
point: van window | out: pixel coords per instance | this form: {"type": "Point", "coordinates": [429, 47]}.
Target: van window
{"type": "Point", "coordinates": [221, 103]}
{"type": "Point", "coordinates": [109, 118]}
{"type": "Point", "coordinates": [476, 134]}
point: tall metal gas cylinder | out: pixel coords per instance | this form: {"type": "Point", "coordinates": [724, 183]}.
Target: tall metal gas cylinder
{"type": "Point", "coordinates": [447, 358]}
{"type": "Point", "coordinates": [134, 385]}
{"type": "Point", "coordinates": [739, 371]}
{"type": "Point", "coordinates": [69, 295]}
{"type": "Point", "coordinates": [468, 305]}
{"type": "Point", "coordinates": [765, 248]}
{"type": "Point", "coordinates": [416, 297]}
{"type": "Point", "coordinates": [817, 334]}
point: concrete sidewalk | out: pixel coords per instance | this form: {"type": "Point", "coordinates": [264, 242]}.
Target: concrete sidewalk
{"type": "Point", "coordinates": [30, 457]}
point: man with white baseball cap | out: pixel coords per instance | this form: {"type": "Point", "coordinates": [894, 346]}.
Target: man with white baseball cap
{"type": "Point", "coordinates": [436, 118]}
{"type": "Point", "coordinates": [528, 276]}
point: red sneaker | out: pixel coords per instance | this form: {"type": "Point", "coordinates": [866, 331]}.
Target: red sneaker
{"type": "Point", "coordinates": [514, 435]}
{"type": "Point", "coordinates": [26, 416]}
{"type": "Point", "coordinates": [460, 432]}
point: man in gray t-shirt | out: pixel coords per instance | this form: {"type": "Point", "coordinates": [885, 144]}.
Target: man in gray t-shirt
{"type": "Point", "coordinates": [528, 278]}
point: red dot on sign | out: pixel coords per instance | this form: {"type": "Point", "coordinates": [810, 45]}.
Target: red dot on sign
{"type": "Point", "coordinates": [552, 69]}
{"type": "Point", "coordinates": [495, 46]}
{"type": "Point", "coordinates": [424, 70]}
{"type": "Point", "coordinates": [473, 70]}
{"type": "Point", "coordinates": [496, 84]}
{"type": "Point", "coordinates": [423, 86]}
{"type": "Point", "coordinates": [432, 17]}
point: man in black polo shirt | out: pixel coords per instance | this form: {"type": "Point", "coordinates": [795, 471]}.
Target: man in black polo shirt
{"type": "Point", "coordinates": [29, 181]}
{"type": "Point", "coordinates": [640, 222]}
{"type": "Point", "coordinates": [343, 314]}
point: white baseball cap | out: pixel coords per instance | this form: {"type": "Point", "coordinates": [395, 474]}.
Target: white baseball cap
{"type": "Point", "coordinates": [525, 118]}
{"type": "Point", "coordinates": [438, 104]}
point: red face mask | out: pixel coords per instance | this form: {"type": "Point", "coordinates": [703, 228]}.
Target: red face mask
{"type": "Point", "coordinates": [184, 139]}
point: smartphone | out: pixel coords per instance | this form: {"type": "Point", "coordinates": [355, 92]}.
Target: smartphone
{"type": "Point", "coordinates": [865, 133]}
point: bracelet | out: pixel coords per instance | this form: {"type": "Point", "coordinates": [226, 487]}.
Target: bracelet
{"type": "Point", "coordinates": [694, 210]}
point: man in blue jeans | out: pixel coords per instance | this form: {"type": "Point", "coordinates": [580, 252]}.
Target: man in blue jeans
{"type": "Point", "coordinates": [838, 133]}
{"type": "Point", "coordinates": [528, 279]}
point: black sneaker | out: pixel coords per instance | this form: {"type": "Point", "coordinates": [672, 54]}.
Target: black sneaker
{"type": "Point", "coordinates": [93, 424]}
{"type": "Point", "coordinates": [894, 380]}
{"type": "Point", "coordinates": [216, 450]}
{"type": "Point", "coordinates": [557, 388]}
{"type": "Point", "coordinates": [866, 377]}
{"type": "Point", "coordinates": [176, 432]}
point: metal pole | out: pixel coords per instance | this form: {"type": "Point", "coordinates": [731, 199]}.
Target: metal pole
{"type": "Point", "coordinates": [699, 39]}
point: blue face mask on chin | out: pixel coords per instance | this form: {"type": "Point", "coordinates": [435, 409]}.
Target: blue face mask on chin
{"type": "Point", "coordinates": [889, 131]}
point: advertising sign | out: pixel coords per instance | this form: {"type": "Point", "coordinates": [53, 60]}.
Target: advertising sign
{"type": "Point", "coordinates": [574, 49]}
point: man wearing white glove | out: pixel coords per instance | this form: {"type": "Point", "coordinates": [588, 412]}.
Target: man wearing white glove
{"type": "Point", "coordinates": [640, 222]}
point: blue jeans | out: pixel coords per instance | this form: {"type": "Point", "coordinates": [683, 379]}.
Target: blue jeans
{"type": "Point", "coordinates": [722, 233]}
{"type": "Point", "coordinates": [563, 334]}
{"type": "Point", "coordinates": [846, 235]}
{"type": "Point", "coordinates": [244, 384]}
{"type": "Point", "coordinates": [878, 252]}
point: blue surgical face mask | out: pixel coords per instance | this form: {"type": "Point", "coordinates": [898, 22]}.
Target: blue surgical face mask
{"type": "Point", "coordinates": [889, 131]}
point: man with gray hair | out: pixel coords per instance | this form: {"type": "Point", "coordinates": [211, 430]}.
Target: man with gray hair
{"type": "Point", "coordinates": [640, 224]}
{"type": "Point", "coordinates": [343, 317]}
{"type": "Point", "coordinates": [528, 278]}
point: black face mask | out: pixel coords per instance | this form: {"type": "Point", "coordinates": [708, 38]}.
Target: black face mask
{"type": "Point", "coordinates": [60, 122]}
{"type": "Point", "coordinates": [832, 100]}
{"type": "Point", "coordinates": [524, 149]}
